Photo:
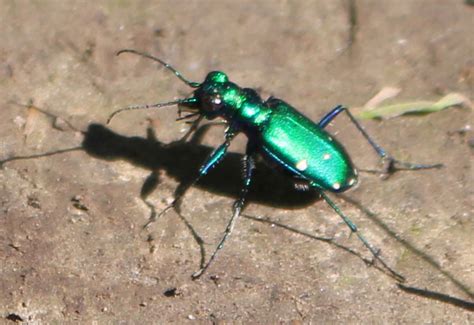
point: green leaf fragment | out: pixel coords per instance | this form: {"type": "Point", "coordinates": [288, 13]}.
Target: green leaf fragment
{"type": "Point", "coordinates": [418, 107]}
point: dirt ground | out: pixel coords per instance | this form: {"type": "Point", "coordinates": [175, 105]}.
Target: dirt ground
{"type": "Point", "coordinates": [72, 244]}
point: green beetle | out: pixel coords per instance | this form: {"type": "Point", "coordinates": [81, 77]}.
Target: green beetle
{"type": "Point", "coordinates": [281, 135]}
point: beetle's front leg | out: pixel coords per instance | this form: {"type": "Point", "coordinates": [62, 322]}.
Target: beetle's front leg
{"type": "Point", "coordinates": [194, 126]}
{"type": "Point", "coordinates": [391, 164]}
{"type": "Point", "coordinates": [213, 160]}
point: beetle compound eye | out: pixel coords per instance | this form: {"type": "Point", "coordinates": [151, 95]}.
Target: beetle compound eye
{"type": "Point", "coordinates": [217, 101]}
{"type": "Point", "coordinates": [212, 102]}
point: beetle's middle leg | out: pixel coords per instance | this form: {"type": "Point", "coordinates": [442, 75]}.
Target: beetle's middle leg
{"type": "Point", "coordinates": [392, 163]}
{"type": "Point", "coordinates": [248, 168]}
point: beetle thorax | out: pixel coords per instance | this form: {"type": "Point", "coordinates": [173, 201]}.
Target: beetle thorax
{"type": "Point", "coordinates": [218, 97]}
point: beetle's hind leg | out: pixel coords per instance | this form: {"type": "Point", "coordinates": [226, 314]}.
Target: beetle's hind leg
{"type": "Point", "coordinates": [391, 164]}
{"type": "Point", "coordinates": [375, 251]}
{"type": "Point", "coordinates": [304, 185]}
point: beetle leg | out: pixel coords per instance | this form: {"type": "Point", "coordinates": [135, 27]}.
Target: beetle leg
{"type": "Point", "coordinates": [248, 168]}
{"type": "Point", "coordinates": [375, 251]}
{"type": "Point", "coordinates": [330, 116]}
{"type": "Point", "coordinates": [213, 160]}
{"type": "Point", "coordinates": [194, 126]}
{"type": "Point", "coordinates": [392, 163]}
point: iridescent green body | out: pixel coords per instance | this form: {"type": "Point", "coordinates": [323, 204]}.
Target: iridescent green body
{"type": "Point", "coordinates": [306, 149]}
{"type": "Point", "coordinates": [280, 133]}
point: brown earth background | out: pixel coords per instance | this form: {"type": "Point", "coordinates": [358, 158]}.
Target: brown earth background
{"type": "Point", "coordinates": [72, 246]}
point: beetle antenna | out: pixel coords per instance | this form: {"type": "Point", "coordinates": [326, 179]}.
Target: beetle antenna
{"type": "Point", "coordinates": [129, 108]}
{"type": "Point", "coordinates": [166, 65]}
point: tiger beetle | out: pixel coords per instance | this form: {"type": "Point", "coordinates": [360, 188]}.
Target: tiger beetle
{"type": "Point", "coordinates": [281, 135]}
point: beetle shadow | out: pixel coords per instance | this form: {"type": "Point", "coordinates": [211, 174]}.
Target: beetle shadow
{"type": "Point", "coordinates": [374, 217]}
{"type": "Point", "coordinates": [438, 296]}
{"type": "Point", "coordinates": [180, 160]}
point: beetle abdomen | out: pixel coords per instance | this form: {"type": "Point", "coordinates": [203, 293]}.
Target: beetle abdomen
{"type": "Point", "coordinates": [301, 146]}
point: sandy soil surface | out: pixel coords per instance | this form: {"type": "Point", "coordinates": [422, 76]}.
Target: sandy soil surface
{"type": "Point", "coordinates": [72, 243]}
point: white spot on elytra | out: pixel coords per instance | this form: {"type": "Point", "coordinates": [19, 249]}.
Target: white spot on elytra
{"type": "Point", "coordinates": [356, 172]}
{"type": "Point", "coordinates": [302, 165]}
{"type": "Point", "coordinates": [336, 186]}
{"type": "Point", "coordinates": [326, 156]}
{"type": "Point", "coordinates": [352, 181]}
